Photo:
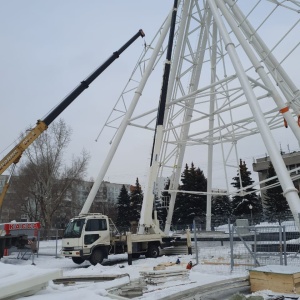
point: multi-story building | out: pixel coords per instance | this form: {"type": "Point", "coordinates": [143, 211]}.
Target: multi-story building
{"type": "Point", "coordinates": [11, 208]}
{"type": "Point", "coordinates": [108, 191]}
{"type": "Point", "coordinates": [112, 191]}
{"type": "Point", "coordinates": [291, 160]}
{"type": "Point", "coordinates": [106, 196]}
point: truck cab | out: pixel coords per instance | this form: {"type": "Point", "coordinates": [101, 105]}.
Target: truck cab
{"type": "Point", "coordinates": [87, 237]}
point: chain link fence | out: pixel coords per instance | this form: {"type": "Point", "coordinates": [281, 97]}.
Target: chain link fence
{"type": "Point", "coordinates": [51, 234]}
{"type": "Point", "coordinates": [241, 246]}
{"type": "Point", "coordinates": [48, 243]}
{"type": "Point", "coordinates": [237, 245]}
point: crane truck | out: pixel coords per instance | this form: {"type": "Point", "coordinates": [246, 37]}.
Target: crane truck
{"type": "Point", "coordinates": [13, 156]}
{"type": "Point", "coordinates": [93, 236]}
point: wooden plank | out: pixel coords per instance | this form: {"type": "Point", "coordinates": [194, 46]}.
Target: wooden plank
{"type": "Point", "coordinates": [297, 277]}
{"type": "Point", "coordinates": [276, 282]}
{"type": "Point", "coordinates": [258, 275]}
{"type": "Point", "coordinates": [258, 286]}
{"type": "Point", "coordinates": [205, 262]}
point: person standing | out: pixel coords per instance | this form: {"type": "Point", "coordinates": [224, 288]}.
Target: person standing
{"type": "Point", "coordinates": [33, 248]}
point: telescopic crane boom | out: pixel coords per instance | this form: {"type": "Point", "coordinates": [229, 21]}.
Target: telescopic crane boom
{"type": "Point", "coordinates": [146, 223]}
{"type": "Point", "coordinates": [15, 154]}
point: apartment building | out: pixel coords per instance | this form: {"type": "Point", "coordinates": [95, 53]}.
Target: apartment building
{"type": "Point", "coordinates": [107, 194]}
{"type": "Point", "coordinates": [292, 162]}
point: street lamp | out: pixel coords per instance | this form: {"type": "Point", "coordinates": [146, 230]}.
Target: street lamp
{"type": "Point", "coordinates": [250, 207]}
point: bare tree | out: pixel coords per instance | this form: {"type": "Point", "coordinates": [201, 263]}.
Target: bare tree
{"type": "Point", "coordinates": [44, 182]}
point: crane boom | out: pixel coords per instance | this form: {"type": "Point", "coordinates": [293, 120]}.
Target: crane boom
{"type": "Point", "coordinates": [146, 223]}
{"type": "Point", "coordinates": [15, 154]}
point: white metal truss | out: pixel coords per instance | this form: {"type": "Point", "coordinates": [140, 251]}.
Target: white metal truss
{"type": "Point", "coordinates": [225, 84]}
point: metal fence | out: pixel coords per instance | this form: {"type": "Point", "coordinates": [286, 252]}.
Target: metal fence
{"type": "Point", "coordinates": [51, 244]}
{"type": "Point", "coordinates": [266, 244]}
{"type": "Point", "coordinates": [241, 247]}
{"type": "Point", "coordinates": [236, 247]}
{"type": "Point", "coordinates": [51, 234]}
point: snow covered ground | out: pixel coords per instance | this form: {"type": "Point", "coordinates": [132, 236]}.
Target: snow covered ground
{"type": "Point", "coordinates": [13, 270]}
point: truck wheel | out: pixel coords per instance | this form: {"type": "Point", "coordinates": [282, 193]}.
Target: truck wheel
{"type": "Point", "coordinates": [96, 257]}
{"type": "Point", "coordinates": [78, 260]}
{"type": "Point", "coordinates": [153, 251]}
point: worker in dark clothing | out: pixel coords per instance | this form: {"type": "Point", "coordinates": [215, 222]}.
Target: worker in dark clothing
{"type": "Point", "coordinates": [33, 248]}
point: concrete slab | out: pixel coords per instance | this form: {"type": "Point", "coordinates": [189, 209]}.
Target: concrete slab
{"type": "Point", "coordinates": [12, 286]}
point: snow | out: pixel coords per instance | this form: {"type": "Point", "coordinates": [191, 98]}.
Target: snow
{"type": "Point", "coordinates": [278, 269]}
{"type": "Point", "coordinates": [289, 225]}
{"type": "Point", "coordinates": [14, 269]}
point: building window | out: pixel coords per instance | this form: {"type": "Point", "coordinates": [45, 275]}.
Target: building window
{"type": "Point", "coordinates": [24, 218]}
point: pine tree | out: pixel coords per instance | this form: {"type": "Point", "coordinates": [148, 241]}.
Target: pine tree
{"type": "Point", "coordinates": [221, 206]}
{"type": "Point", "coordinates": [220, 209]}
{"type": "Point", "coordinates": [136, 199]}
{"type": "Point", "coordinates": [201, 185]}
{"type": "Point", "coordinates": [188, 206]}
{"type": "Point", "coordinates": [124, 208]}
{"type": "Point", "coordinates": [249, 203]}
{"type": "Point", "coordinates": [162, 204]}
{"type": "Point", "coordinates": [181, 200]}
{"type": "Point", "coordinates": [276, 206]}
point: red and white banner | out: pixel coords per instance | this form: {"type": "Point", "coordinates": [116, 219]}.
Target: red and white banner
{"type": "Point", "coordinates": [21, 226]}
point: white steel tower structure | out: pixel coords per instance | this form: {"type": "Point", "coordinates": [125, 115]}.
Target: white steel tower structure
{"type": "Point", "coordinates": [226, 84]}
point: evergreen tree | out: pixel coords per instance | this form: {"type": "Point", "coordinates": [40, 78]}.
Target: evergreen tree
{"type": "Point", "coordinates": [248, 203]}
{"type": "Point", "coordinates": [220, 209]}
{"type": "Point", "coordinates": [276, 206]}
{"type": "Point", "coordinates": [162, 204]}
{"type": "Point", "coordinates": [181, 199]}
{"type": "Point", "coordinates": [221, 206]}
{"type": "Point", "coordinates": [124, 208]}
{"type": "Point", "coordinates": [188, 206]}
{"type": "Point", "coordinates": [201, 185]}
{"type": "Point", "coordinates": [136, 199]}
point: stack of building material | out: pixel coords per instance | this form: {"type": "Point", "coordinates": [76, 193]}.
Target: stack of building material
{"type": "Point", "coordinates": [133, 289]}
{"type": "Point", "coordinates": [280, 279]}
{"type": "Point", "coordinates": [161, 273]}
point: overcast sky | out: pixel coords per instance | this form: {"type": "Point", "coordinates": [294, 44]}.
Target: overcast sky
{"type": "Point", "coordinates": [49, 46]}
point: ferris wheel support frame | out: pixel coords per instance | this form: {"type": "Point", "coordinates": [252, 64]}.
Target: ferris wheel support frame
{"type": "Point", "coordinates": [289, 191]}
{"type": "Point", "coordinates": [138, 92]}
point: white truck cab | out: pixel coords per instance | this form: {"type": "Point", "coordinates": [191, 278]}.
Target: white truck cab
{"type": "Point", "coordinates": [94, 236]}
{"type": "Point", "coordinates": [87, 237]}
